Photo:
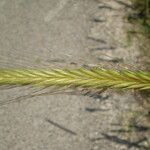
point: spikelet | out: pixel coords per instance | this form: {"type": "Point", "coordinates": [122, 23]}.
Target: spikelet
{"type": "Point", "coordinates": [86, 78]}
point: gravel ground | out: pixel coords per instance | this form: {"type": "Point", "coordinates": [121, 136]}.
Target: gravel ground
{"type": "Point", "coordinates": [66, 33]}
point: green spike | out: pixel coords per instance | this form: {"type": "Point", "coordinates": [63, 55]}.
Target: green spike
{"type": "Point", "coordinates": [91, 78]}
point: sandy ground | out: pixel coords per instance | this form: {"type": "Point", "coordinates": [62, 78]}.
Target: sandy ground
{"type": "Point", "coordinates": [63, 33]}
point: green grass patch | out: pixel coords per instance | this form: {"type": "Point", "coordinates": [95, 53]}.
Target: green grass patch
{"type": "Point", "coordinates": [141, 14]}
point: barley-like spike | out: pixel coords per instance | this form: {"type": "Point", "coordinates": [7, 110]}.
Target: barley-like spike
{"type": "Point", "coordinates": [91, 78]}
